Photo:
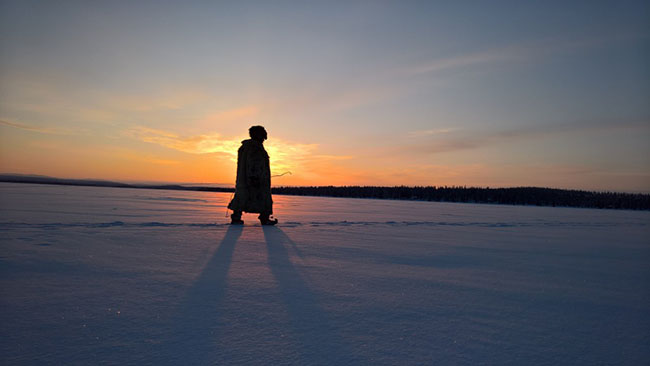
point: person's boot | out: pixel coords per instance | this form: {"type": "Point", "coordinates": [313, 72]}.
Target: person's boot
{"type": "Point", "coordinates": [235, 219]}
{"type": "Point", "coordinates": [265, 220]}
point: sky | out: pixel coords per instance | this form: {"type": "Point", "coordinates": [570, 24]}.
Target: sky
{"type": "Point", "coordinates": [470, 93]}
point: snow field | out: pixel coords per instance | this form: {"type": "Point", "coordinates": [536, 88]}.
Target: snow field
{"type": "Point", "coordinates": [122, 276]}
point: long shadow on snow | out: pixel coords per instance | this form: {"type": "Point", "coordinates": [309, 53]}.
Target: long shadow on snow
{"type": "Point", "coordinates": [196, 323]}
{"type": "Point", "coordinates": [317, 337]}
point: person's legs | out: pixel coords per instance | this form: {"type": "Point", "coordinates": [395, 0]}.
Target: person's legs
{"type": "Point", "coordinates": [236, 218]}
{"type": "Point", "coordinates": [264, 219]}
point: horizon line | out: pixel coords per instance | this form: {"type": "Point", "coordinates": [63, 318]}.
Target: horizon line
{"type": "Point", "coordinates": [232, 185]}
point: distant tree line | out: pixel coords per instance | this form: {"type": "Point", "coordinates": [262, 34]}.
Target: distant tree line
{"type": "Point", "coordinates": [511, 196]}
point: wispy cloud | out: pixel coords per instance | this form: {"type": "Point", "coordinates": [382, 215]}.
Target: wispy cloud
{"type": "Point", "coordinates": [285, 155]}
{"type": "Point", "coordinates": [431, 132]}
{"type": "Point", "coordinates": [518, 52]}
{"type": "Point", "coordinates": [45, 130]}
{"type": "Point", "coordinates": [478, 139]}
{"type": "Point", "coordinates": [461, 61]}
{"type": "Point", "coordinates": [199, 144]}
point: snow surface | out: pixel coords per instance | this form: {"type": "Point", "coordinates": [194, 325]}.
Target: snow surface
{"type": "Point", "coordinates": [128, 276]}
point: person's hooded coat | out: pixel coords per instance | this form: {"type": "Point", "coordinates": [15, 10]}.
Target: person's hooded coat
{"type": "Point", "coordinates": [253, 185]}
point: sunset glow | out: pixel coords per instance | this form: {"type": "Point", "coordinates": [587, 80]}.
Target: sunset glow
{"type": "Point", "coordinates": [365, 93]}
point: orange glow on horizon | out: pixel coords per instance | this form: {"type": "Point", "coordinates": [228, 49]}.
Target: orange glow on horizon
{"type": "Point", "coordinates": [147, 154]}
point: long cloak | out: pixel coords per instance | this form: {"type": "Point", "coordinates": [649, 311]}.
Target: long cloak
{"type": "Point", "coordinates": [253, 185]}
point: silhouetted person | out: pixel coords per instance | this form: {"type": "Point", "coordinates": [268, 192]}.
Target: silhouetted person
{"type": "Point", "coordinates": [253, 186]}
